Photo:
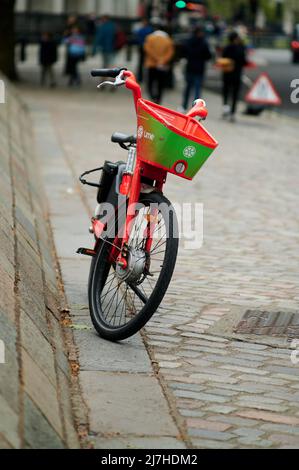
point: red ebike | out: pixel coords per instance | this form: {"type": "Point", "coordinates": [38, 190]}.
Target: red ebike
{"type": "Point", "coordinates": [135, 226]}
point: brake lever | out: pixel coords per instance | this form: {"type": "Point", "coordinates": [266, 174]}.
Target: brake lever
{"type": "Point", "coordinates": [119, 81]}
{"type": "Point", "coordinates": [105, 83]}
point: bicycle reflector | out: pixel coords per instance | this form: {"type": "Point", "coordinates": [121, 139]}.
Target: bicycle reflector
{"type": "Point", "coordinates": [180, 168]}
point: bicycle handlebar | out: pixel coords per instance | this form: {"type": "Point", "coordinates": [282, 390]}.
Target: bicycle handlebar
{"type": "Point", "coordinates": [113, 73]}
{"type": "Point", "coordinates": [124, 77]}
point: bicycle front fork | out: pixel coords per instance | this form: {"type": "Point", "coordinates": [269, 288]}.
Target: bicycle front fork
{"type": "Point", "coordinates": [129, 187]}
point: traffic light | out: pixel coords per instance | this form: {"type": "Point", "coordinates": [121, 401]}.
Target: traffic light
{"type": "Point", "coordinates": [181, 4]}
{"type": "Point", "coordinates": [192, 5]}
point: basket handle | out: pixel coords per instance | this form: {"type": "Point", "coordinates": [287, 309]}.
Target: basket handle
{"type": "Point", "coordinates": [199, 109]}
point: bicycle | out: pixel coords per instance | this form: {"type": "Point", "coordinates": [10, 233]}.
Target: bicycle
{"type": "Point", "coordinates": [135, 225]}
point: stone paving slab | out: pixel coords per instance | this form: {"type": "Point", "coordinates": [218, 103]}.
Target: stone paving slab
{"type": "Point", "coordinates": [38, 434]}
{"type": "Point", "coordinates": [75, 273]}
{"type": "Point", "coordinates": [133, 442]}
{"type": "Point", "coordinates": [127, 404]}
{"type": "Point", "coordinates": [128, 356]}
{"type": "Point", "coordinates": [67, 246]}
{"type": "Point", "coordinates": [9, 425]}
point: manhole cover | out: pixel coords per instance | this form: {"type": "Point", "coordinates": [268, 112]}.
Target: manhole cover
{"type": "Point", "coordinates": [265, 323]}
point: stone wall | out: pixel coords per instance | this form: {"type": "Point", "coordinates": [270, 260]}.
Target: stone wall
{"type": "Point", "coordinates": [35, 379]}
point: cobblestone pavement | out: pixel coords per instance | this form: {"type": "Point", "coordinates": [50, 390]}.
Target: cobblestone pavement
{"type": "Point", "coordinates": [222, 389]}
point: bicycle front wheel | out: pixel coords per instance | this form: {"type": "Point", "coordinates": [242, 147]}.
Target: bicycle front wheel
{"type": "Point", "coordinates": [123, 300]}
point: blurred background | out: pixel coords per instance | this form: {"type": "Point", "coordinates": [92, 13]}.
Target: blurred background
{"type": "Point", "coordinates": [269, 30]}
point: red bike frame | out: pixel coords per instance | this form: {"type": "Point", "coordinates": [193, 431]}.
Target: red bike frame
{"type": "Point", "coordinates": [131, 184]}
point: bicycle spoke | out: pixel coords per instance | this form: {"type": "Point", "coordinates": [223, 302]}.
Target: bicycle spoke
{"type": "Point", "coordinates": [123, 305]}
{"type": "Point", "coordinates": [158, 252]}
{"type": "Point", "coordinates": [109, 288]}
{"type": "Point", "coordinates": [110, 303]}
{"type": "Point", "coordinates": [158, 245]}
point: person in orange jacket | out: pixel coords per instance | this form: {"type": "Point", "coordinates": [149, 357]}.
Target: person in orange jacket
{"type": "Point", "coordinates": [159, 50]}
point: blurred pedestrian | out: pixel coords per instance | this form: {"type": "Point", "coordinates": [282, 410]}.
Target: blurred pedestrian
{"type": "Point", "coordinates": [235, 53]}
{"type": "Point", "coordinates": [197, 53]}
{"type": "Point", "coordinates": [72, 21]}
{"type": "Point", "coordinates": [159, 50]}
{"type": "Point", "coordinates": [91, 27]}
{"type": "Point", "coordinates": [121, 39]}
{"type": "Point", "coordinates": [140, 37]}
{"type": "Point", "coordinates": [105, 38]}
{"type": "Point", "coordinates": [47, 58]}
{"type": "Point", "coordinates": [23, 48]}
{"type": "Point", "coordinates": [76, 51]}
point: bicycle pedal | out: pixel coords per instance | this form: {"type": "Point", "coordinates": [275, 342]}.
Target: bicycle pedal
{"type": "Point", "coordinates": [86, 252]}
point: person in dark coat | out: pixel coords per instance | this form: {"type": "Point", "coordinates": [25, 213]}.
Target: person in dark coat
{"type": "Point", "coordinates": [140, 37]}
{"type": "Point", "coordinates": [104, 40]}
{"type": "Point", "coordinates": [197, 53]}
{"type": "Point", "coordinates": [232, 77]}
{"type": "Point", "coordinates": [47, 58]}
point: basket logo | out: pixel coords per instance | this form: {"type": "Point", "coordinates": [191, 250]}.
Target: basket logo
{"type": "Point", "coordinates": [145, 134]}
{"type": "Point", "coordinates": [149, 135]}
{"type": "Point", "coordinates": [189, 151]}
{"type": "Point", "coordinates": [140, 132]}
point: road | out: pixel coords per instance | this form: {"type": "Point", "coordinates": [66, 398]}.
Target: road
{"type": "Point", "coordinates": [277, 63]}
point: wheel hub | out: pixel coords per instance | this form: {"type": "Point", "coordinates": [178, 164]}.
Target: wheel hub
{"type": "Point", "coordinates": [136, 261]}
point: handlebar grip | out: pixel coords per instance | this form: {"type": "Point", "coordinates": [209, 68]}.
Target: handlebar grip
{"type": "Point", "coordinates": [107, 72]}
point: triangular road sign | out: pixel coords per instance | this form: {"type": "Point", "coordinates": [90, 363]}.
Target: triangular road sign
{"type": "Point", "coordinates": [263, 92]}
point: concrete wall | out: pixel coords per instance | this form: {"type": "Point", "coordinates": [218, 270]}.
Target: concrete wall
{"type": "Point", "coordinates": [35, 379]}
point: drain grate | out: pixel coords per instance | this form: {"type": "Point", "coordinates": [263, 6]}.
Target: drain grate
{"type": "Point", "coordinates": [259, 322]}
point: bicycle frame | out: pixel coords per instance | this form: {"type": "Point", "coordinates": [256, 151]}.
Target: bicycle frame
{"type": "Point", "coordinates": [131, 188]}
{"type": "Point", "coordinates": [131, 184]}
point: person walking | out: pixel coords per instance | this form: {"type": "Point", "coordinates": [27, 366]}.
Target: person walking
{"type": "Point", "coordinates": [235, 54]}
{"type": "Point", "coordinates": [159, 50]}
{"type": "Point", "coordinates": [197, 53]}
{"type": "Point", "coordinates": [140, 37]}
{"type": "Point", "coordinates": [47, 59]}
{"type": "Point", "coordinates": [76, 51]}
{"type": "Point", "coordinates": [72, 21]}
{"type": "Point", "coordinates": [105, 40]}
{"type": "Point", "coordinates": [90, 29]}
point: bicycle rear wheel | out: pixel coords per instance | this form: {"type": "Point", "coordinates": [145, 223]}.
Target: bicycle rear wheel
{"type": "Point", "coordinates": [123, 300]}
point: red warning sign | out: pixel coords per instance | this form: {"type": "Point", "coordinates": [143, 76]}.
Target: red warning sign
{"type": "Point", "coordinates": [263, 92]}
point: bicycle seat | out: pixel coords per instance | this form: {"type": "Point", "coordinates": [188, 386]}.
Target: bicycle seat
{"type": "Point", "coordinates": [120, 138]}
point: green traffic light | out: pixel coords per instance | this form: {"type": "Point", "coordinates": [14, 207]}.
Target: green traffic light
{"type": "Point", "coordinates": [180, 4]}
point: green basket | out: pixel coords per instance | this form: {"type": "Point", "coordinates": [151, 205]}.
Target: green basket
{"type": "Point", "coordinates": [172, 141]}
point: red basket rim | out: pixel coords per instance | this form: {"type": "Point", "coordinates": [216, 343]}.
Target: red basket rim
{"type": "Point", "coordinates": [148, 106]}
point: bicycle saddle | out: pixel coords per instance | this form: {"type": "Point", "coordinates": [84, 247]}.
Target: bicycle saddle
{"type": "Point", "coordinates": [120, 138]}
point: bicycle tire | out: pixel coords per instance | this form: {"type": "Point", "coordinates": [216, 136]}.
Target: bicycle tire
{"type": "Point", "coordinates": [97, 275]}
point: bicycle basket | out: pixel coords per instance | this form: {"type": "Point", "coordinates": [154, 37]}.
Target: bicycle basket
{"type": "Point", "coordinates": [172, 141]}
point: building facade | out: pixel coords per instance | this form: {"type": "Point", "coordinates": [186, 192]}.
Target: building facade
{"type": "Point", "coordinates": [121, 8]}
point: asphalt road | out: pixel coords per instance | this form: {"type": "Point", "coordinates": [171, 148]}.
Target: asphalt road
{"type": "Point", "coordinates": [280, 69]}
